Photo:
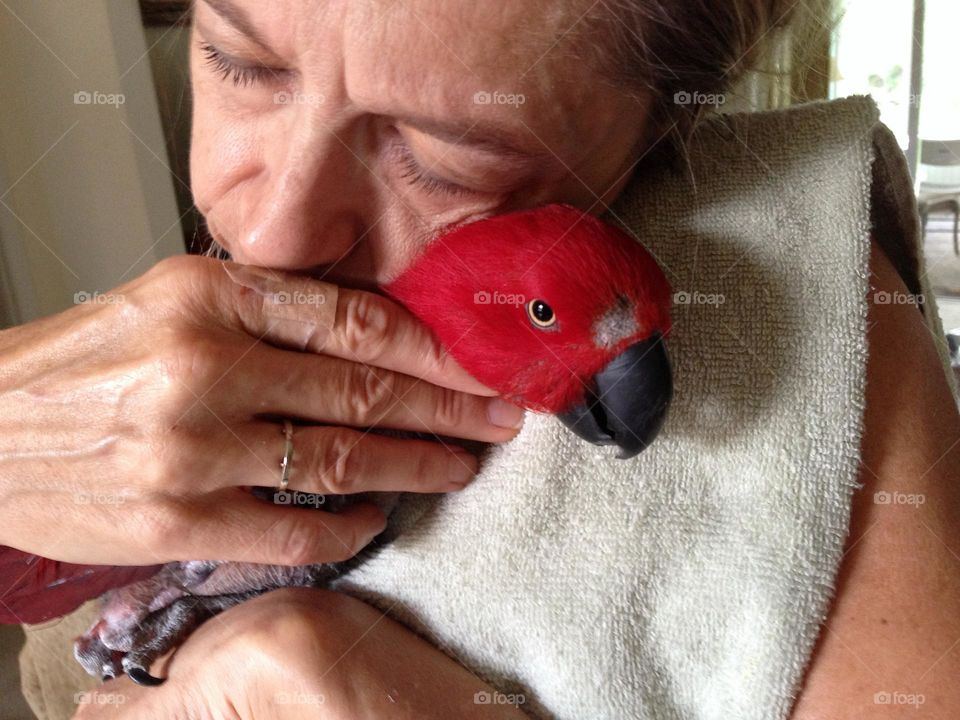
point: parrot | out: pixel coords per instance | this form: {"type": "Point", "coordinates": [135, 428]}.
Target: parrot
{"type": "Point", "coordinates": [559, 312]}
{"type": "Point", "coordinates": [553, 308]}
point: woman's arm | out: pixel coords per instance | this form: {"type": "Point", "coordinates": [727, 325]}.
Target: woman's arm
{"type": "Point", "coordinates": [369, 667]}
{"type": "Point", "coordinates": [891, 643]}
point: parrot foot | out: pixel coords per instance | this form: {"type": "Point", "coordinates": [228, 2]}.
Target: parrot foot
{"type": "Point", "coordinates": [143, 621]}
{"type": "Point", "coordinates": [168, 628]}
{"type": "Point", "coordinates": [96, 658]}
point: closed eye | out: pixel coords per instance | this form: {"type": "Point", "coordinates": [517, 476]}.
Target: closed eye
{"type": "Point", "coordinates": [415, 175]}
{"type": "Point", "coordinates": [241, 74]}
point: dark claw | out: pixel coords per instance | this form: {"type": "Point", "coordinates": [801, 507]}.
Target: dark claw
{"type": "Point", "coordinates": [108, 677]}
{"type": "Point", "coordinates": [142, 677]}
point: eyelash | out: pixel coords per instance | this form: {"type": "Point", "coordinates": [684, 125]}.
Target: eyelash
{"type": "Point", "coordinates": [411, 171]}
{"type": "Point", "coordinates": [241, 75]}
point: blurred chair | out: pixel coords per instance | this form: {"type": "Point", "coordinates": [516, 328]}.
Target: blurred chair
{"type": "Point", "coordinates": [939, 189]}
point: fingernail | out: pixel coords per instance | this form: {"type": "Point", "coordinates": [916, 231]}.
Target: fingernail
{"type": "Point", "coordinates": [505, 414]}
{"type": "Point", "coordinates": [462, 466]}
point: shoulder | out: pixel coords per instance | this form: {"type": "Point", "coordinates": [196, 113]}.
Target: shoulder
{"type": "Point", "coordinates": [891, 642]}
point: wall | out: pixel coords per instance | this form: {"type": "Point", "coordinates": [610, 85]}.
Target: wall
{"type": "Point", "coordinates": [86, 196]}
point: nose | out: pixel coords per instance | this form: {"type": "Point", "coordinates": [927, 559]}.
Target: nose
{"type": "Point", "coordinates": [628, 402]}
{"type": "Point", "coordinates": [305, 207]}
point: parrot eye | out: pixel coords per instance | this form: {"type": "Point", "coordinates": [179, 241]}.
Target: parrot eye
{"type": "Point", "coordinates": [540, 314]}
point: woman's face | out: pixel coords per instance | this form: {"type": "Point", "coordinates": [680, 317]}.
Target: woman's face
{"type": "Point", "coordinates": [338, 136]}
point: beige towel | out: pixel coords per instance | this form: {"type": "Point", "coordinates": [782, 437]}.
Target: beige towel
{"type": "Point", "coordinates": [690, 581]}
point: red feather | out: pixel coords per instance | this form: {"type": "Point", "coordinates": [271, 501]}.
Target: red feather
{"type": "Point", "coordinates": [471, 285]}
{"type": "Point", "coordinates": [34, 589]}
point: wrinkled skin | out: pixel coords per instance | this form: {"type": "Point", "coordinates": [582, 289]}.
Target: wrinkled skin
{"type": "Point", "coordinates": [317, 184]}
{"type": "Point", "coordinates": [142, 621]}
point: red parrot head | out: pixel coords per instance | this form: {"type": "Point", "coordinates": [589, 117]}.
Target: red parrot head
{"type": "Point", "coordinates": [556, 310]}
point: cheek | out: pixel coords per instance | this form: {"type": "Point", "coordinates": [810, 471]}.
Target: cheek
{"type": "Point", "coordinates": [222, 154]}
{"type": "Point", "coordinates": [223, 148]}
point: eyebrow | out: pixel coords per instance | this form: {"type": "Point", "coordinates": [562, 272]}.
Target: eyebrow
{"type": "Point", "coordinates": [492, 138]}
{"type": "Point", "coordinates": [237, 17]}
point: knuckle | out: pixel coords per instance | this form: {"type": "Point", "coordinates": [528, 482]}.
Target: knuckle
{"type": "Point", "coordinates": [368, 324]}
{"type": "Point", "coordinates": [435, 357]}
{"type": "Point", "coordinates": [450, 408]}
{"type": "Point", "coordinates": [172, 266]}
{"type": "Point", "coordinates": [424, 465]}
{"type": "Point", "coordinates": [180, 271]}
{"type": "Point", "coordinates": [176, 455]}
{"type": "Point", "coordinates": [373, 393]}
{"type": "Point", "coordinates": [162, 526]}
{"type": "Point", "coordinates": [185, 267]}
{"type": "Point", "coordinates": [430, 463]}
{"type": "Point", "coordinates": [297, 541]}
{"type": "Point", "coordinates": [184, 285]}
{"type": "Point", "coordinates": [301, 542]}
{"type": "Point", "coordinates": [186, 355]}
{"type": "Point", "coordinates": [335, 462]}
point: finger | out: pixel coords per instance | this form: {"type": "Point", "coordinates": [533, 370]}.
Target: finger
{"type": "Point", "coordinates": [340, 392]}
{"type": "Point", "coordinates": [233, 525]}
{"type": "Point", "coordinates": [300, 312]}
{"type": "Point", "coordinates": [332, 460]}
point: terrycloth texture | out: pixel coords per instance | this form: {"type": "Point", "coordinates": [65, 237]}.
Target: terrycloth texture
{"type": "Point", "coordinates": [691, 581]}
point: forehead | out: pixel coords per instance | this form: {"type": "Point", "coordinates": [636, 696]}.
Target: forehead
{"type": "Point", "coordinates": [479, 36]}
{"type": "Point", "coordinates": [506, 61]}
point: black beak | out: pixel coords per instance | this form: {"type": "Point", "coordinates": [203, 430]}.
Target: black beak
{"type": "Point", "coordinates": [628, 401]}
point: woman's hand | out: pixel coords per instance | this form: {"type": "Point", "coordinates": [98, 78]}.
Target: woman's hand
{"type": "Point", "coordinates": [300, 653]}
{"type": "Point", "coordinates": [130, 425]}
